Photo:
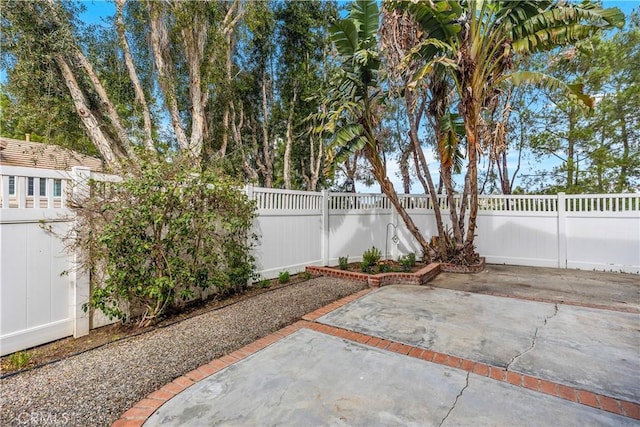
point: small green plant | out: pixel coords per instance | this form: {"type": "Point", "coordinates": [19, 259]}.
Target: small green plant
{"type": "Point", "coordinates": [264, 283]}
{"type": "Point", "coordinates": [19, 360]}
{"type": "Point", "coordinates": [365, 267]}
{"type": "Point", "coordinates": [407, 261]}
{"type": "Point", "coordinates": [371, 256]}
{"type": "Point", "coordinates": [306, 275]}
{"type": "Point", "coordinates": [384, 268]}
{"type": "Point", "coordinates": [343, 261]}
{"type": "Point", "coordinates": [284, 277]}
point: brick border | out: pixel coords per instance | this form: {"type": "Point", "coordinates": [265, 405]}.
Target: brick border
{"type": "Point", "coordinates": [420, 277]}
{"type": "Point", "coordinates": [141, 411]}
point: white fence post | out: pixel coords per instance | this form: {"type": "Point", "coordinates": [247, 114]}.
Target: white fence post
{"type": "Point", "coordinates": [325, 228]}
{"type": "Point", "coordinates": [394, 221]}
{"type": "Point", "coordinates": [78, 279]}
{"type": "Point", "coordinates": [562, 231]}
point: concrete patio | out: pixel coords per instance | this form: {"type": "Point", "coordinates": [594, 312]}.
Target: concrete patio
{"type": "Point", "coordinates": [415, 355]}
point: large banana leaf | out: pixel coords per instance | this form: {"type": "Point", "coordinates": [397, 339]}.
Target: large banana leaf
{"type": "Point", "coordinates": [344, 35]}
{"type": "Point", "coordinates": [574, 91]}
{"type": "Point", "coordinates": [366, 16]}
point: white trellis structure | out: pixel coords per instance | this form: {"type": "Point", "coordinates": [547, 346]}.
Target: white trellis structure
{"type": "Point", "coordinates": [41, 293]}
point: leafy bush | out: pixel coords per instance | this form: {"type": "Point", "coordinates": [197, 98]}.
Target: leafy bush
{"type": "Point", "coordinates": [284, 277]}
{"type": "Point", "coordinates": [371, 256]}
{"type": "Point", "coordinates": [161, 236]}
{"type": "Point", "coordinates": [343, 261]}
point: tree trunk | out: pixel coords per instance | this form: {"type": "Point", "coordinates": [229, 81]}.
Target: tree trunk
{"type": "Point", "coordinates": [414, 124]}
{"type": "Point", "coordinates": [571, 166]}
{"type": "Point", "coordinates": [289, 140]}
{"type": "Point", "coordinates": [160, 45]}
{"type": "Point", "coordinates": [267, 149]}
{"type": "Point", "coordinates": [133, 75]}
{"type": "Point", "coordinates": [404, 169]}
{"type": "Point", "coordinates": [472, 150]}
{"type": "Point", "coordinates": [624, 161]}
{"type": "Point", "coordinates": [102, 142]}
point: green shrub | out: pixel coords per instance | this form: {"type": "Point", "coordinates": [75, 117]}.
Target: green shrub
{"type": "Point", "coordinates": [161, 236]}
{"type": "Point", "coordinates": [343, 261]}
{"type": "Point", "coordinates": [306, 275]}
{"type": "Point", "coordinates": [371, 256]}
{"type": "Point", "coordinates": [384, 268]}
{"type": "Point", "coordinates": [284, 277]}
{"type": "Point", "coordinates": [407, 261]}
{"type": "Point", "coordinates": [365, 268]}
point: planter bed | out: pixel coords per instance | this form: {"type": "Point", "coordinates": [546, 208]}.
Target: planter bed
{"type": "Point", "coordinates": [420, 277]}
{"type": "Point", "coordinates": [453, 268]}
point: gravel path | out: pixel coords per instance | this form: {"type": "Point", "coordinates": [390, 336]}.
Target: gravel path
{"type": "Point", "coordinates": [96, 387]}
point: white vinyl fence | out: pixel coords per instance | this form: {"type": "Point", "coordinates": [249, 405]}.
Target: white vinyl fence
{"type": "Point", "coordinates": [41, 294]}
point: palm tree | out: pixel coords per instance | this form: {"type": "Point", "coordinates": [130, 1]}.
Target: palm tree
{"type": "Point", "coordinates": [354, 102]}
{"type": "Point", "coordinates": [476, 42]}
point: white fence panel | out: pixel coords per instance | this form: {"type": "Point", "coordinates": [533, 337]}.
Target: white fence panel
{"type": "Point", "coordinates": [518, 238]}
{"type": "Point", "coordinates": [289, 230]}
{"type": "Point", "coordinates": [35, 292]}
{"type": "Point", "coordinates": [297, 229]}
{"type": "Point", "coordinates": [603, 232]}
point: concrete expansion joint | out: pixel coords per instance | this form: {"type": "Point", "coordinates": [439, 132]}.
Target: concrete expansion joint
{"type": "Point", "coordinates": [535, 336]}
{"type": "Point", "coordinates": [455, 402]}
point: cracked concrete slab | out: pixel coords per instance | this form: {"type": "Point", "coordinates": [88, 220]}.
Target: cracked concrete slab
{"type": "Point", "coordinates": [482, 328]}
{"type": "Point", "coordinates": [491, 403]}
{"type": "Point", "coordinates": [310, 378]}
{"type": "Point", "coordinates": [591, 349]}
{"type": "Point", "coordinates": [596, 350]}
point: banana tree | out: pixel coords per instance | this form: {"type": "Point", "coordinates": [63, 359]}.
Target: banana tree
{"type": "Point", "coordinates": [356, 98]}
{"type": "Point", "coordinates": [476, 42]}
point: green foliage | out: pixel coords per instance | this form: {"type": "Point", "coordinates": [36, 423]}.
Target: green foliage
{"type": "Point", "coordinates": [18, 360]}
{"type": "Point", "coordinates": [264, 283]}
{"type": "Point", "coordinates": [306, 275]}
{"type": "Point", "coordinates": [343, 261]}
{"type": "Point", "coordinates": [365, 267]}
{"type": "Point", "coordinates": [384, 268]}
{"type": "Point", "coordinates": [162, 236]}
{"type": "Point", "coordinates": [284, 277]}
{"type": "Point", "coordinates": [371, 256]}
{"type": "Point", "coordinates": [407, 261]}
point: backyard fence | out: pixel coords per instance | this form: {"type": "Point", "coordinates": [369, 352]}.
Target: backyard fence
{"type": "Point", "coordinates": [41, 291]}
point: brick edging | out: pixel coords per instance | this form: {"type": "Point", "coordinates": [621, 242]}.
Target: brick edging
{"type": "Point", "coordinates": [142, 410]}
{"type": "Point", "coordinates": [420, 277]}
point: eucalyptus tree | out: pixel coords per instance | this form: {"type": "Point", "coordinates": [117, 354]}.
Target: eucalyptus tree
{"type": "Point", "coordinates": [302, 38]}
{"type": "Point", "coordinates": [476, 42]}
{"type": "Point", "coordinates": [186, 41]}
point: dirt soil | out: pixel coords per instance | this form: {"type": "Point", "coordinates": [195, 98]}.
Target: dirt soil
{"type": "Point", "coordinates": [63, 348]}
